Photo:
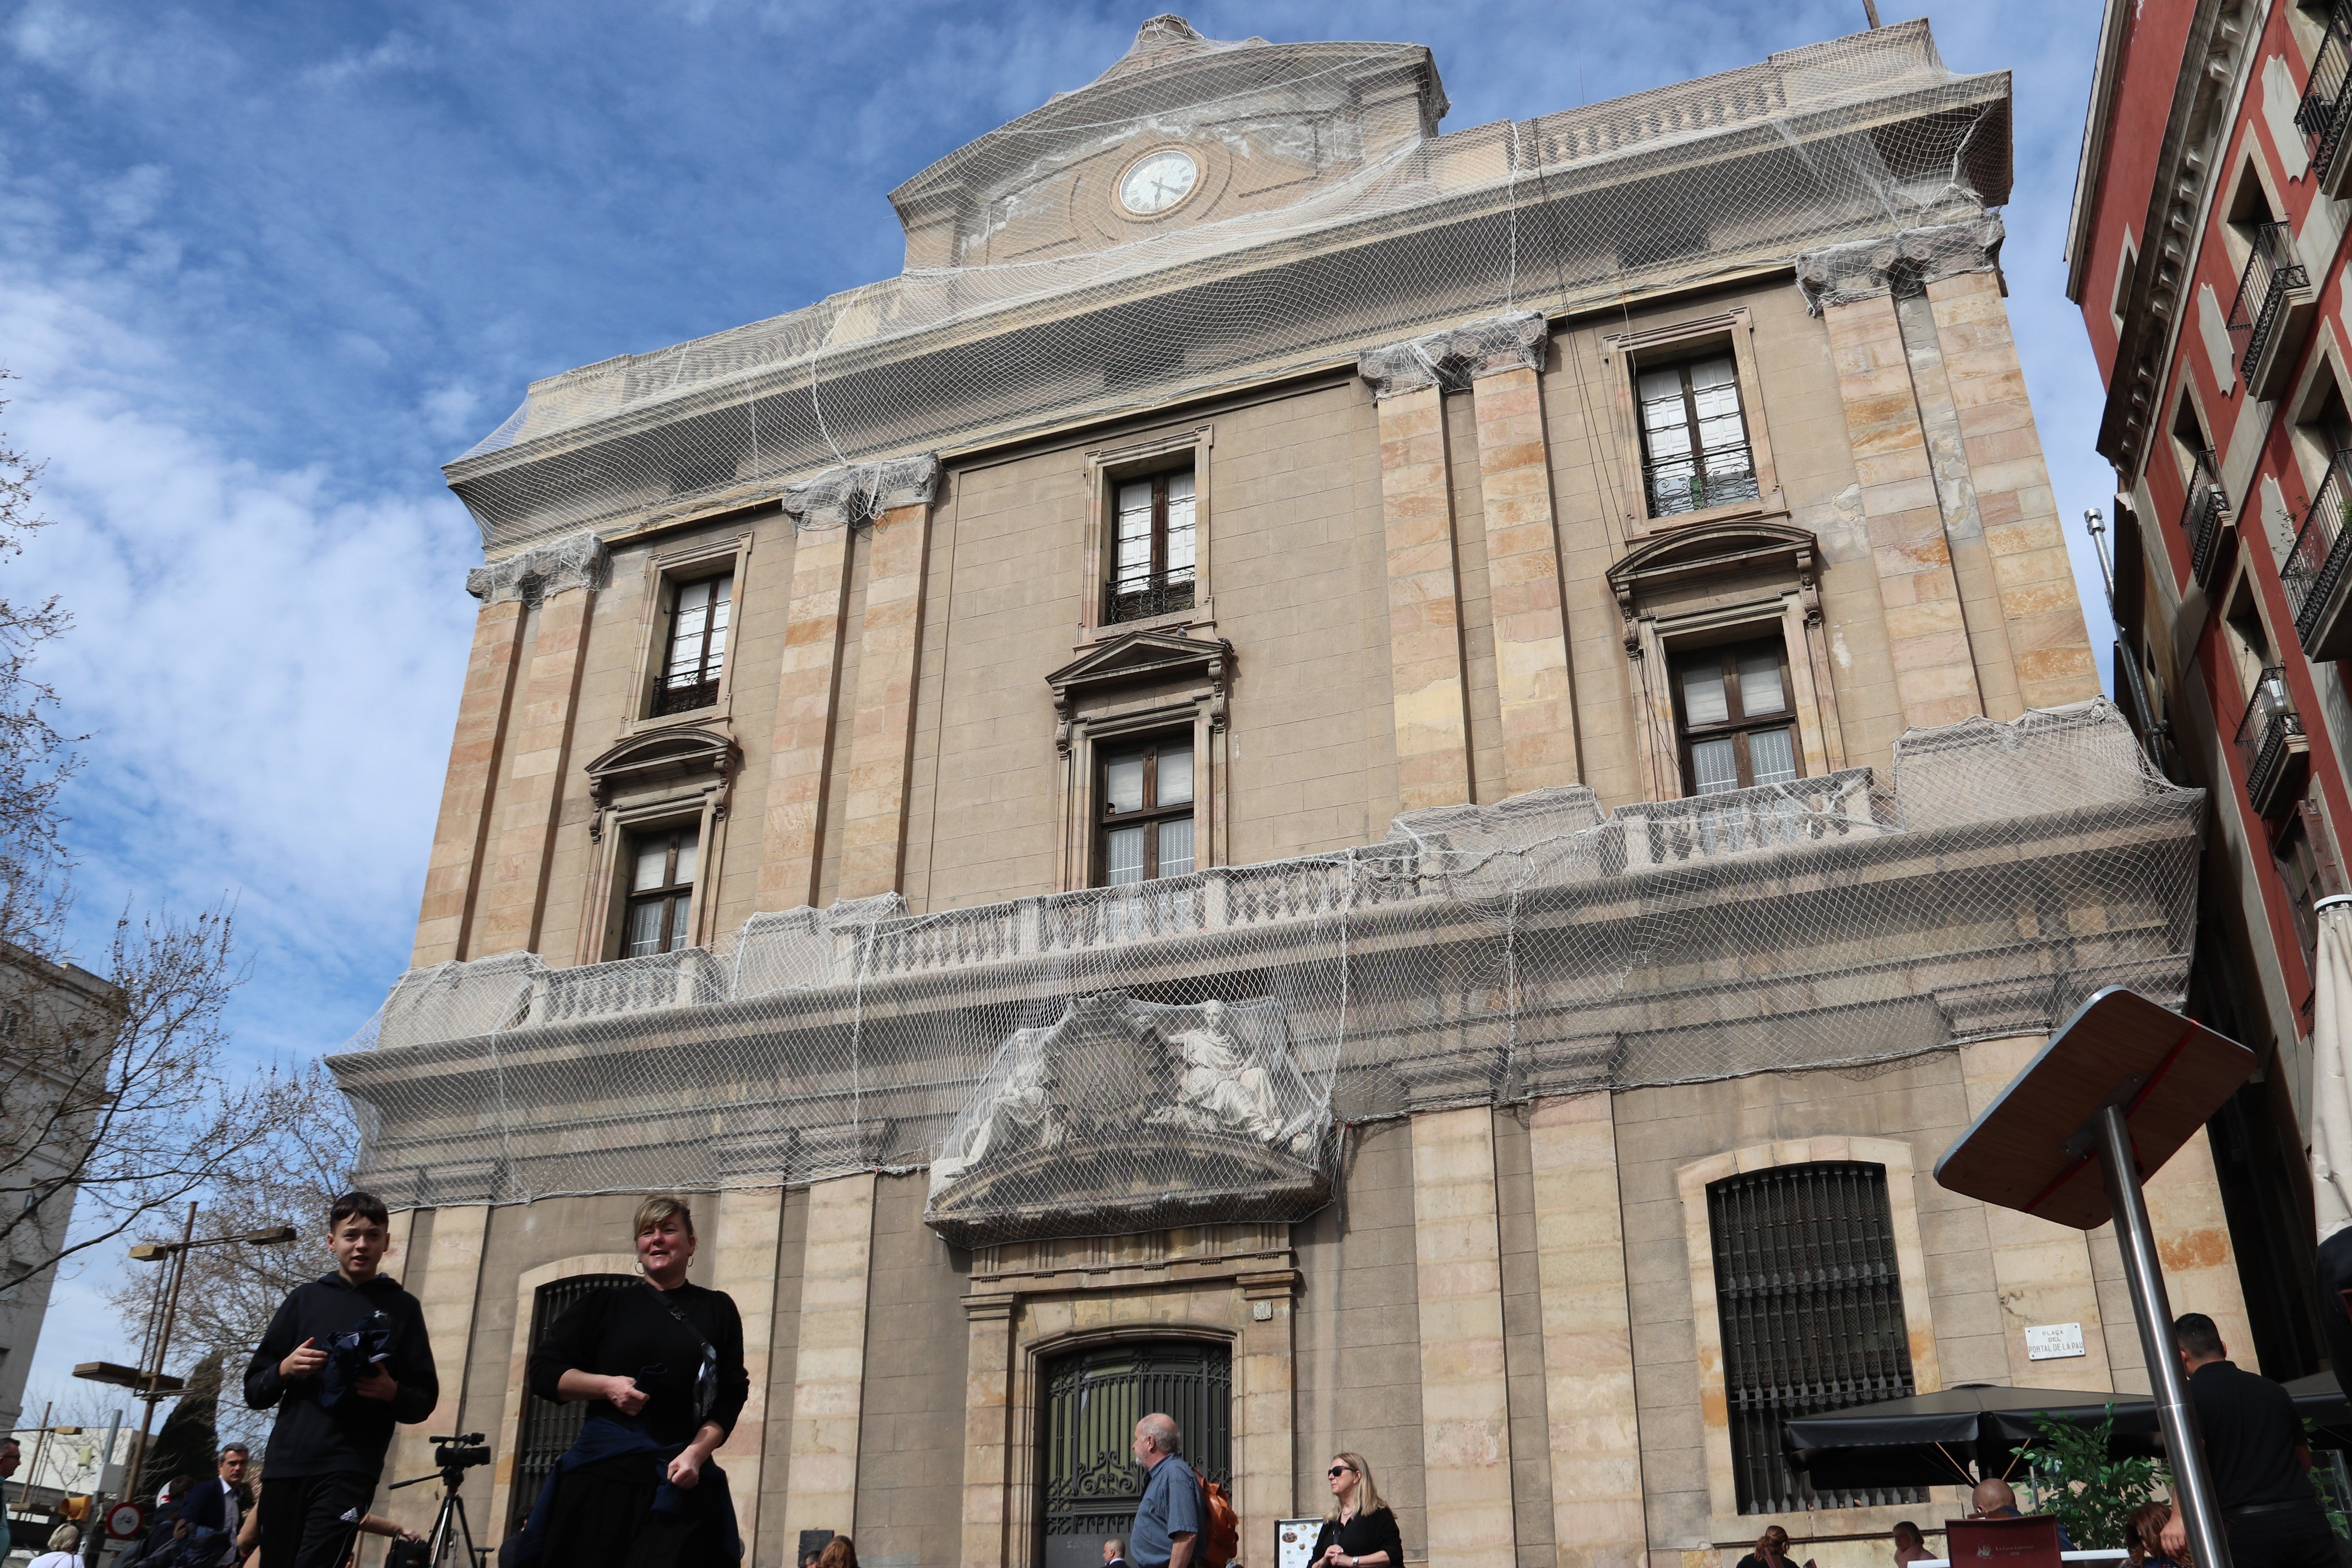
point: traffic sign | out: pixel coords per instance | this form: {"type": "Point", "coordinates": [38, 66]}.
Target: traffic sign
{"type": "Point", "coordinates": [123, 1521]}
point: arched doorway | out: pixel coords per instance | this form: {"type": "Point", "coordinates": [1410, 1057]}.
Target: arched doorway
{"type": "Point", "coordinates": [549, 1428]}
{"type": "Point", "coordinates": [1093, 1398]}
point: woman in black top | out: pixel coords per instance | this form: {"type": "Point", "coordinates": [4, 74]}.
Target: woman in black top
{"type": "Point", "coordinates": [1771, 1551]}
{"type": "Point", "coordinates": [662, 1364]}
{"type": "Point", "coordinates": [1359, 1532]}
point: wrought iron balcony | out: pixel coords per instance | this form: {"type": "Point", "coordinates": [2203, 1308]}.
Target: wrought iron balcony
{"type": "Point", "coordinates": [1693, 481]}
{"type": "Point", "coordinates": [1141, 598]}
{"type": "Point", "coordinates": [2313, 574]}
{"type": "Point", "coordinates": [2272, 747]}
{"type": "Point", "coordinates": [2205, 519]}
{"type": "Point", "coordinates": [2274, 295]}
{"type": "Point", "coordinates": [2326, 112]}
{"type": "Point", "coordinates": [684, 697]}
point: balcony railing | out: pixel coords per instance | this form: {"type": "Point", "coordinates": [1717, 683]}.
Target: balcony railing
{"type": "Point", "coordinates": [685, 697]}
{"type": "Point", "coordinates": [2204, 517]}
{"type": "Point", "coordinates": [2313, 571]}
{"type": "Point", "coordinates": [1693, 481]}
{"type": "Point", "coordinates": [1141, 598]}
{"type": "Point", "coordinates": [2326, 108]}
{"type": "Point", "coordinates": [2272, 273]}
{"type": "Point", "coordinates": [2271, 744]}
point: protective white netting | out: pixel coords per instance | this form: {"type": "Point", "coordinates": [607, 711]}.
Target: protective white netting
{"type": "Point", "coordinates": [1181, 1051]}
{"type": "Point", "coordinates": [1326, 217]}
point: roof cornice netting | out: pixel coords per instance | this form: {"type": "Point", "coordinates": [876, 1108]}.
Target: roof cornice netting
{"type": "Point", "coordinates": [1363, 228]}
{"type": "Point", "coordinates": [1179, 1051]}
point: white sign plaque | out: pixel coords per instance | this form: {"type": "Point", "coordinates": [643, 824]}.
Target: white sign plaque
{"type": "Point", "coordinates": [1293, 1542]}
{"type": "Point", "coordinates": [2053, 1342]}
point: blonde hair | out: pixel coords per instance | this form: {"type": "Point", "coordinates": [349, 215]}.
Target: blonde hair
{"type": "Point", "coordinates": [655, 1210]}
{"type": "Point", "coordinates": [64, 1537]}
{"type": "Point", "coordinates": [1368, 1496]}
{"type": "Point", "coordinates": [839, 1552]}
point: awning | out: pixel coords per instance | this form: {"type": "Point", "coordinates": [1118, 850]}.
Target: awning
{"type": "Point", "coordinates": [2331, 1093]}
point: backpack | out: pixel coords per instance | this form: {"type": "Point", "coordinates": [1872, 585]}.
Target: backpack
{"type": "Point", "coordinates": [1220, 1528]}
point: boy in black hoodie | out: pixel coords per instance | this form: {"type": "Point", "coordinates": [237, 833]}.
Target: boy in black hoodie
{"type": "Point", "coordinates": [344, 1359]}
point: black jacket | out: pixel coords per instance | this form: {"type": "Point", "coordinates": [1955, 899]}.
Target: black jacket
{"type": "Point", "coordinates": [351, 1438]}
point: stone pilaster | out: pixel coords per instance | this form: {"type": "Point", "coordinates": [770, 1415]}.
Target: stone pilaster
{"type": "Point", "coordinates": [987, 1428]}
{"type": "Point", "coordinates": [745, 1238]}
{"type": "Point", "coordinates": [2192, 1238]}
{"type": "Point", "coordinates": [452, 874]}
{"type": "Point", "coordinates": [829, 1374]}
{"type": "Point", "coordinates": [882, 738]}
{"type": "Point", "coordinates": [452, 1277]}
{"type": "Point", "coordinates": [1531, 674]}
{"type": "Point", "coordinates": [1588, 1337]}
{"type": "Point", "coordinates": [799, 753]}
{"type": "Point", "coordinates": [1465, 1417]}
{"type": "Point", "coordinates": [1263, 1483]}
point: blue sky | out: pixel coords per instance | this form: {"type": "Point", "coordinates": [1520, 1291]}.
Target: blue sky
{"type": "Point", "coordinates": [264, 266]}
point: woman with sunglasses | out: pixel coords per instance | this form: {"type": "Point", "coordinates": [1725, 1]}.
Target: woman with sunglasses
{"type": "Point", "coordinates": [660, 1366]}
{"type": "Point", "coordinates": [1359, 1532]}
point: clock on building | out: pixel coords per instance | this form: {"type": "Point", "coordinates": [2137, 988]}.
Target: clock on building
{"type": "Point", "coordinates": [1158, 182]}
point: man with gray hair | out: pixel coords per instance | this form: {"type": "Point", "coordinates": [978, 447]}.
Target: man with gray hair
{"type": "Point", "coordinates": [1167, 1522]}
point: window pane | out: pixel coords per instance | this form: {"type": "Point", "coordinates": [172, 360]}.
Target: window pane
{"type": "Point", "coordinates": [1180, 526]}
{"type": "Point", "coordinates": [1666, 425]}
{"type": "Point", "coordinates": [1175, 774]}
{"type": "Point", "coordinates": [1714, 391]}
{"type": "Point", "coordinates": [1133, 548]}
{"type": "Point", "coordinates": [675, 938]}
{"type": "Point", "coordinates": [1176, 847]}
{"type": "Point", "coordinates": [1760, 684]}
{"type": "Point", "coordinates": [1703, 698]}
{"type": "Point", "coordinates": [1123, 856]}
{"type": "Point", "coordinates": [644, 931]}
{"type": "Point", "coordinates": [1772, 755]}
{"type": "Point", "coordinates": [687, 842]}
{"type": "Point", "coordinates": [1714, 768]}
{"type": "Point", "coordinates": [653, 865]}
{"type": "Point", "coordinates": [1123, 784]}
{"type": "Point", "coordinates": [693, 599]}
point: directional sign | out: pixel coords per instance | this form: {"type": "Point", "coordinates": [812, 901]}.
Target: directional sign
{"type": "Point", "coordinates": [123, 1521]}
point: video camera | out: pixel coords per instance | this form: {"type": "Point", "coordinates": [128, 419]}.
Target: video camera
{"type": "Point", "coordinates": [460, 1451]}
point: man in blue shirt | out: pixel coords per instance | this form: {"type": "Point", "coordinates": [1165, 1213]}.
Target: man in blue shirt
{"type": "Point", "coordinates": [1167, 1521]}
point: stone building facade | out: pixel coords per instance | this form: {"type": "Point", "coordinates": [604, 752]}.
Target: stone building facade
{"type": "Point", "coordinates": [1345, 849]}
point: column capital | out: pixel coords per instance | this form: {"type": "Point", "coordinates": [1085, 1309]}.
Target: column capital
{"type": "Point", "coordinates": [854, 494]}
{"type": "Point", "coordinates": [1456, 357]}
{"type": "Point", "coordinates": [1901, 263]}
{"type": "Point", "coordinates": [576, 561]}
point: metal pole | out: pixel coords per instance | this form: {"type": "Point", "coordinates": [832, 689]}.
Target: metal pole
{"type": "Point", "coordinates": [163, 1348]}
{"type": "Point", "coordinates": [2192, 1487]}
{"type": "Point", "coordinates": [40, 1441]}
{"type": "Point", "coordinates": [2095, 526]}
{"type": "Point", "coordinates": [93, 1540]}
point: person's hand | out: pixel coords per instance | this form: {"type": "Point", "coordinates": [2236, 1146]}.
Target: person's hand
{"type": "Point", "coordinates": [303, 1361]}
{"type": "Point", "coordinates": [685, 1471]}
{"type": "Point", "coordinates": [2174, 1537]}
{"type": "Point", "coordinates": [627, 1396]}
{"type": "Point", "coordinates": [377, 1384]}
{"type": "Point", "coordinates": [410, 1537]}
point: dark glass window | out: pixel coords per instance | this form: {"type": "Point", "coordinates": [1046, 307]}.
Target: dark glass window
{"type": "Point", "coordinates": [1151, 547]}
{"type": "Point", "coordinates": [1144, 818]}
{"type": "Point", "coordinates": [1733, 706]}
{"type": "Point", "coordinates": [549, 1427]}
{"type": "Point", "coordinates": [1809, 1294]}
{"type": "Point", "coordinates": [661, 891]}
{"type": "Point", "coordinates": [1694, 451]}
{"type": "Point", "coordinates": [695, 648]}
{"type": "Point", "coordinates": [1093, 1400]}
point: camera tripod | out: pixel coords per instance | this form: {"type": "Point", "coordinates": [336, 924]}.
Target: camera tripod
{"type": "Point", "coordinates": [449, 1522]}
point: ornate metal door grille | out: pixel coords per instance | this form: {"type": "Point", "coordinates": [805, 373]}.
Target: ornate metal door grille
{"type": "Point", "coordinates": [548, 1428]}
{"type": "Point", "coordinates": [1093, 1400]}
{"type": "Point", "coordinates": [1810, 1298]}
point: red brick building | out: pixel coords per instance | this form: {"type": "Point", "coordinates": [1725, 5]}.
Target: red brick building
{"type": "Point", "coordinates": [2207, 251]}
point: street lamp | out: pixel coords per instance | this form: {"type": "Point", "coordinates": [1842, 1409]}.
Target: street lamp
{"type": "Point", "coordinates": [147, 1379]}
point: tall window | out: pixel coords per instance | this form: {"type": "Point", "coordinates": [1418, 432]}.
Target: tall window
{"type": "Point", "coordinates": [697, 644]}
{"type": "Point", "coordinates": [661, 891]}
{"type": "Point", "coordinates": [548, 1427]}
{"type": "Point", "coordinates": [1737, 723]}
{"type": "Point", "coordinates": [1694, 438]}
{"type": "Point", "coordinates": [1810, 1295]}
{"type": "Point", "coordinates": [1151, 547]}
{"type": "Point", "coordinates": [1145, 822]}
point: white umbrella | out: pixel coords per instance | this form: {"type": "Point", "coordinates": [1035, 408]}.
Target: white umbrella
{"type": "Point", "coordinates": [2331, 1089]}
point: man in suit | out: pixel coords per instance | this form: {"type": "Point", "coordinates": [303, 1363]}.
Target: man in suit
{"type": "Point", "coordinates": [1114, 1553]}
{"type": "Point", "coordinates": [211, 1510]}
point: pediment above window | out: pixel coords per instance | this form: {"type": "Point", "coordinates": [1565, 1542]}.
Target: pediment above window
{"type": "Point", "coordinates": [1141, 656]}
{"type": "Point", "coordinates": [679, 761]}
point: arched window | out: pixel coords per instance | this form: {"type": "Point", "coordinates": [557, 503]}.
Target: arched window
{"type": "Point", "coordinates": [549, 1428]}
{"type": "Point", "coordinates": [1093, 1399]}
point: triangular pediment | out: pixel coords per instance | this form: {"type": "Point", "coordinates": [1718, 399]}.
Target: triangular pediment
{"type": "Point", "coordinates": [1144, 656]}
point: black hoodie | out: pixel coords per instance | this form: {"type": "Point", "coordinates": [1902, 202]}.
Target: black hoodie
{"type": "Point", "coordinates": [310, 1439]}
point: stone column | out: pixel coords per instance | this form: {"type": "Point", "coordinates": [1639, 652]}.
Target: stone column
{"type": "Point", "coordinates": [453, 874]}
{"type": "Point", "coordinates": [1465, 1417]}
{"type": "Point", "coordinates": [1263, 1488]}
{"type": "Point", "coordinates": [452, 1269]}
{"type": "Point", "coordinates": [562, 579]}
{"type": "Point", "coordinates": [890, 635]}
{"type": "Point", "coordinates": [745, 1237]}
{"type": "Point", "coordinates": [2047, 639]}
{"type": "Point", "coordinates": [829, 1376]}
{"type": "Point", "coordinates": [987, 1428]}
{"type": "Point", "coordinates": [1588, 1337]}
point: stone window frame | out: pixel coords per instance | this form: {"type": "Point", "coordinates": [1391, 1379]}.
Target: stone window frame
{"type": "Point", "coordinates": [1092, 735]}
{"type": "Point", "coordinates": [519, 1358]}
{"type": "Point", "coordinates": [2126, 271]}
{"type": "Point", "coordinates": [700, 797]}
{"type": "Point", "coordinates": [1106, 467]}
{"type": "Point", "coordinates": [1727, 1523]}
{"type": "Point", "coordinates": [1626, 352]}
{"type": "Point", "coordinates": [1094, 713]}
{"type": "Point", "coordinates": [662, 571]}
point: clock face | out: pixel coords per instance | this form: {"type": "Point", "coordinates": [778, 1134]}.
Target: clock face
{"type": "Point", "coordinates": [1159, 182]}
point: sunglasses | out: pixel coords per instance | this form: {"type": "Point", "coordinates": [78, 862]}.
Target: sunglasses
{"type": "Point", "coordinates": [1336, 1471]}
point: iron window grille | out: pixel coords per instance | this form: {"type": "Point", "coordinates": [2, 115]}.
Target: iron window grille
{"type": "Point", "coordinates": [2314, 567]}
{"type": "Point", "coordinates": [2263, 735]}
{"type": "Point", "coordinates": [2204, 516]}
{"type": "Point", "coordinates": [2272, 273]}
{"type": "Point", "coordinates": [1736, 717]}
{"type": "Point", "coordinates": [661, 866]}
{"type": "Point", "coordinates": [1152, 554]}
{"type": "Point", "coordinates": [2322, 115]}
{"type": "Point", "coordinates": [549, 1427]}
{"type": "Point", "coordinates": [695, 648]}
{"type": "Point", "coordinates": [1144, 812]}
{"type": "Point", "coordinates": [1093, 1400]}
{"type": "Point", "coordinates": [1810, 1293]}
{"type": "Point", "coordinates": [1695, 450]}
